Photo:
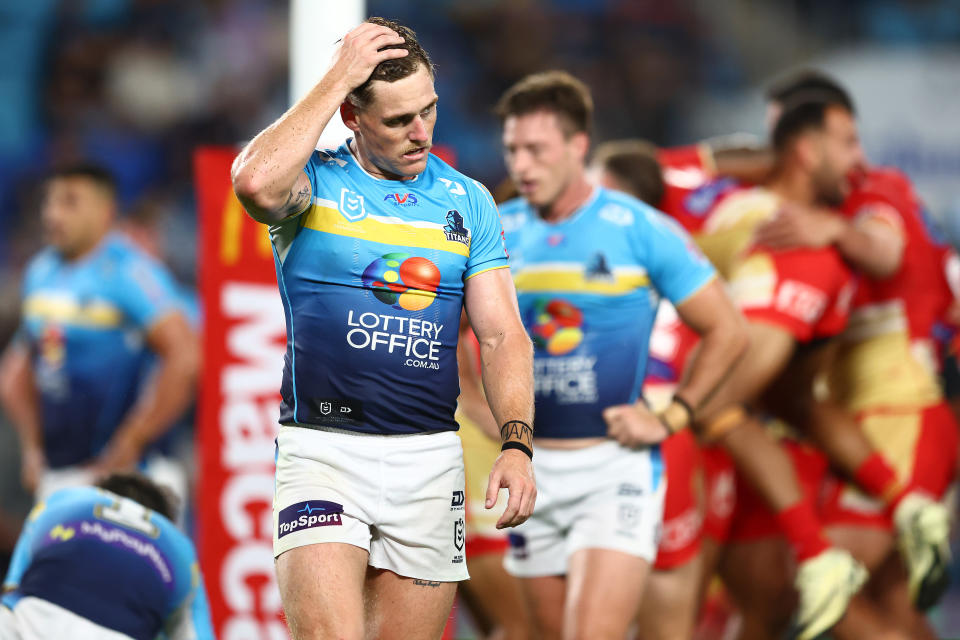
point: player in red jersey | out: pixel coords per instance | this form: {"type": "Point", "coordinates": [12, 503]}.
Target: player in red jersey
{"type": "Point", "coordinates": [885, 229]}
{"type": "Point", "coordinates": [886, 376]}
{"type": "Point", "coordinates": [816, 148]}
{"type": "Point", "coordinates": [796, 511]}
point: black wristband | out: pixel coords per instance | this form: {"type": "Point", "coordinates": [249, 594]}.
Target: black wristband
{"type": "Point", "coordinates": [513, 444]}
{"type": "Point", "coordinates": [686, 405]}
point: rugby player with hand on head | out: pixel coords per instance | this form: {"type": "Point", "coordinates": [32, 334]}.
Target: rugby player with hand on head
{"type": "Point", "coordinates": [378, 247]}
{"type": "Point", "coordinates": [589, 265]}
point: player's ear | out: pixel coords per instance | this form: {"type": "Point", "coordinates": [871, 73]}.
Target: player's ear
{"type": "Point", "coordinates": [805, 151]}
{"type": "Point", "coordinates": [348, 113]}
{"type": "Point", "coordinates": [581, 144]}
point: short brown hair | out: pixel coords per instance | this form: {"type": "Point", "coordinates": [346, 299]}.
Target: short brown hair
{"type": "Point", "coordinates": [143, 490]}
{"type": "Point", "coordinates": [95, 173]}
{"type": "Point", "coordinates": [555, 91]}
{"type": "Point", "coordinates": [808, 112]}
{"type": "Point", "coordinates": [395, 68]}
{"type": "Point", "coordinates": [634, 163]}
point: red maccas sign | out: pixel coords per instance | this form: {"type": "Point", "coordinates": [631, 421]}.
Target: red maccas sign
{"type": "Point", "coordinates": [243, 343]}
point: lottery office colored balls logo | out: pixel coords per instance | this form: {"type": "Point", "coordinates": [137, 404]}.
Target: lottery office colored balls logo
{"type": "Point", "coordinates": [403, 281]}
{"type": "Point", "coordinates": [556, 326]}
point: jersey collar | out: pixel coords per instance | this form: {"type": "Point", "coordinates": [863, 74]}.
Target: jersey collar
{"type": "Point", "coordinates": [357, 162]}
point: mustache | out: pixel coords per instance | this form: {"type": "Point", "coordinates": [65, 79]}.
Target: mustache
{"type": "Point", "coordinates": [418, 148]}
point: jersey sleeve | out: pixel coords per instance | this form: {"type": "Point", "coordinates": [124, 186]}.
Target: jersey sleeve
{"type": "Point", "coordinates": [23, 551]}
{"type": "Point", "coordinates": [314, 172]}
{"type": "Point", "coordinates": [806, 294]}
{"type": "Point", "coordinates": [675, 265]}
{"type": "Point", "coordinates": [148, 292]}
{"type": "Point", "coordinates": [487, 248]}
{"type": "Point", "coordinates": [191, 620]}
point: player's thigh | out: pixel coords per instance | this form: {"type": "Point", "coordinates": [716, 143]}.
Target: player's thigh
{"type": "Point", "coordinates": [322, 586]}
{"type": "Point", "coordinates": [759, 577]}
{"type": "Point", "coordinates": [869, 545]}
{"type": "Point", "coordinates": [889, 591]}
{"type": "Point", "coordinates": [400, 608]}
{"type": "Point", "coordinates": [499, 595]}
{"type": "Point", "coordinates": [604, 590]}
{"type": "Point", "coordinates": [546, 596]}
{"type": "Point", "coordinates": [668, 609]}
{"type": "Point", "coordinates": [864, 620]}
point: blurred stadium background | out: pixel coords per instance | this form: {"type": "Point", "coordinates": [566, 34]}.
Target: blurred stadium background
{"type": "Point", "coordinates": [138, 85]}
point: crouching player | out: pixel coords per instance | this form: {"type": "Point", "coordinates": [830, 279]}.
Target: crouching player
{"type": "Point", "coordinates": [104, 563]}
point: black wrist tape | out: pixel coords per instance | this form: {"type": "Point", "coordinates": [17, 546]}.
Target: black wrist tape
{"type": "Point", "coordinates": [513, 444]}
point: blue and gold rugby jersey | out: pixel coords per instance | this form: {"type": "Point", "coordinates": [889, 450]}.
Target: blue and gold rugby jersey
{"type": "Point", "coordinates": [85, 324]}
{"type": "Point", "coordinates": [112, 561]}
{"type": "Point", "coordinates": [372, 275]}
{"type": "Point", "coordinates": [588, 288]}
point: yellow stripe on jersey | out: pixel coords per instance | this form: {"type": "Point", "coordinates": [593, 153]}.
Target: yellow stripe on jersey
{"type": "Point", "coordinates": [65, 310]}
{"type": "Point", "coordinates": [391, 231]}
{"type": "Point", "coordinates": [574, 280]}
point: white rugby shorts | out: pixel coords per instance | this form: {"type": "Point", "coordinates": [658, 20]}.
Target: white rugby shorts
{"type": "Point", "coordinates": [604, 496]}
{"type": "Point", "coordinates": [399, 497]}
{"type": "Point", "coordinates": [36, 619]}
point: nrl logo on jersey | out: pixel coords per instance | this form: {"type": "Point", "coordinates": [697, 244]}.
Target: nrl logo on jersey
{"type": "Point", "coordinates": [454, 229]}
{"type": "Point", "coordinates": [351, 205]}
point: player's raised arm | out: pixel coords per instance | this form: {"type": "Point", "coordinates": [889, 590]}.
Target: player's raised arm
{"type": "Point", "coordinates": [506, 355]}
{"type": "Point", "coordinates": [268, 174]}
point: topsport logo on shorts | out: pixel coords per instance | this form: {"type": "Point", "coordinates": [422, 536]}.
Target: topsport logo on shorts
{"type": "Point", "coordinates": [309, 514]}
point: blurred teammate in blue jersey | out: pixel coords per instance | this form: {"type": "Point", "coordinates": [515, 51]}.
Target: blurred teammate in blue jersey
{"type": "Point", "coordinates": [378, 247]}
{"type": "Point", "coordinates": [104, 564]}
{"type": "Point", "coordinates": [590, 266]}
{"type": "Point", "coordinates": [105, 360]}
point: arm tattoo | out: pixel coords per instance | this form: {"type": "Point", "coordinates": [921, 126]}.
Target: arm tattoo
{"type": "Point", "coordinates": [427, 583]}
{"type": "Point", "coordinates": [296, 201]}
{"type": "Point", "coordinates": [517, 430]}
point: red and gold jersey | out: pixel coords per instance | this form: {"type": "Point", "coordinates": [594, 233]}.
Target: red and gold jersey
{"type": "Point", "coordinates": [804, 291]}
{"type": "Point", "coordinates": [887, 356]}
{"type": "Point", "coordinates": [692, 190]}
{"type": "Point", "coordinates": [686, 170]}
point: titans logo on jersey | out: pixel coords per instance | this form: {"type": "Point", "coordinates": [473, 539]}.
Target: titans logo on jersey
{"type": "Point", "coordinates": [372, 276]}
{"type": "Point", "coordinates": [588, 289]}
